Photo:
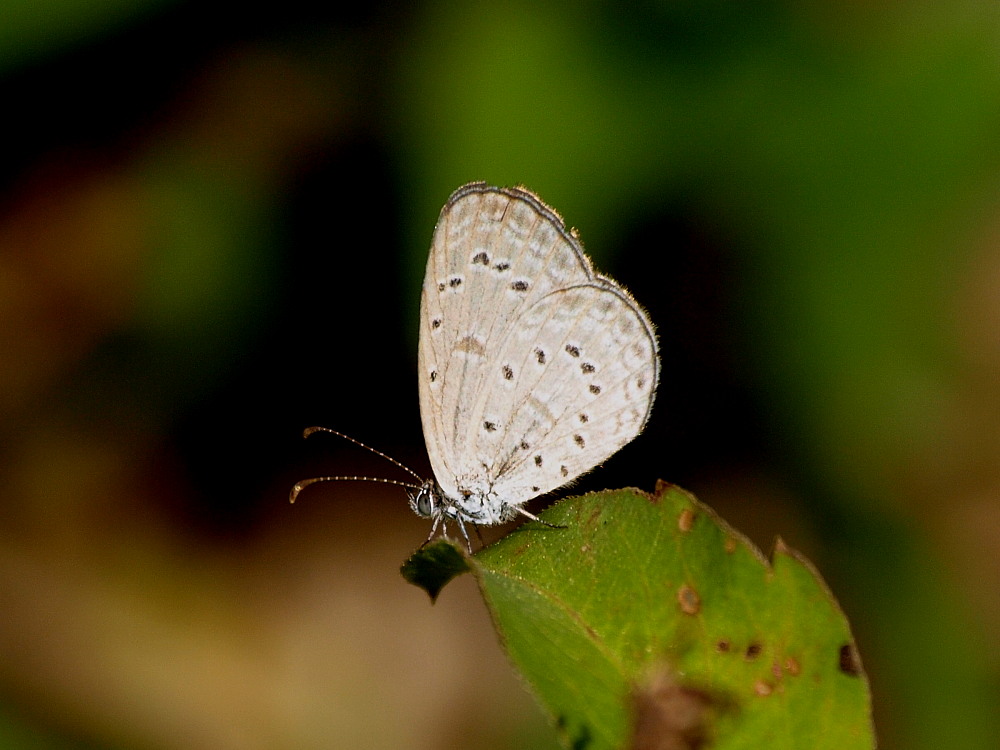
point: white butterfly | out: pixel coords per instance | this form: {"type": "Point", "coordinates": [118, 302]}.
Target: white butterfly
{"type": "Point", "coordinates": [533, 368]}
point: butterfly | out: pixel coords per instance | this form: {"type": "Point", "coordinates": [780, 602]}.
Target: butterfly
{"type": "Point", "coordinates": [532, 367]}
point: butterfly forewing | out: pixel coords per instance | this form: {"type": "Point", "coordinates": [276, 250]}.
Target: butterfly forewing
{"type": "Point", "coordinates": [488, 261]}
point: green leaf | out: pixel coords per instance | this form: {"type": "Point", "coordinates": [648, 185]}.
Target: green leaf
{"type": "Point", "coordinates": [649, 621]}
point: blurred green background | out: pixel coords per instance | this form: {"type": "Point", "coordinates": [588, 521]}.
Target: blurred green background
{"type": "Point", "coordinates": [213, 225]}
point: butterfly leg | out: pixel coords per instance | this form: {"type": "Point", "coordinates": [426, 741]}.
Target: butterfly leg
{"type": "Point", "coordinates": [533, 517]}
{"type": "Point", "coordinates": [434, 527]}
{"type": "Point", "coordinates": [461, 525]}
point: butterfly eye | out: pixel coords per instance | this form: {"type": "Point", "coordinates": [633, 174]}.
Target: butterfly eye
{"type": "Point", "coordinates": [424, 503]}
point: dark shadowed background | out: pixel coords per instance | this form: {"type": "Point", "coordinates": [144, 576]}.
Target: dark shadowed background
{"type": "Point", "coordinates": [213, 226]}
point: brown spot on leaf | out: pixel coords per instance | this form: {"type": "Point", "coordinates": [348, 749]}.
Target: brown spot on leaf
{"type": "Point", "coordinates": [730, 545]}
{"type": "Point", "coordinates": [753, 651]}
{"type": "Point", "coordinates": [792, 666]}
{"type": "Point", "coordinates": [685, 521]}
{"type": "Point", "coordinates": [762, 688]}
{"type": "Point", "coordinates": [669, 716]}
{"type": "Point", "coordinates": [689, 600]}
{"type": "Point", "coordinates": [723, 646]}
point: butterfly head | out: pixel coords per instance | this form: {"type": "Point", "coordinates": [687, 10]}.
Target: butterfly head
{"type": "Point", "coordinates": [427, 501]}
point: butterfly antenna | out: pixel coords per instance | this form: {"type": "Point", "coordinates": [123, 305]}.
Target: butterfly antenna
{"type": "Point", "coordinates": [310, 430]}
{"type": "Point", "coordinates": [299, 486]}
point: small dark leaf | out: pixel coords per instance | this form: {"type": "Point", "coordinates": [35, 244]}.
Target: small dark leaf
{"type": "Point", "coordinates": [433, 565]}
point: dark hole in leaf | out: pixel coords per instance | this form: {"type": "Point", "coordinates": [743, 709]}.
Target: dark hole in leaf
{"type": "Point", "coordinates": [850, 660]}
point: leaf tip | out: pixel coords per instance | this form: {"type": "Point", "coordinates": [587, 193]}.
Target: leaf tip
{"type": "Point", "coordinates": [661, 488]}
{"type": "Point", "coordinates": [780, 548]}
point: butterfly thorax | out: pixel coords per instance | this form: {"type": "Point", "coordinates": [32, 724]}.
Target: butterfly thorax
{"type": "Point", "coordinates": [482, 507]}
